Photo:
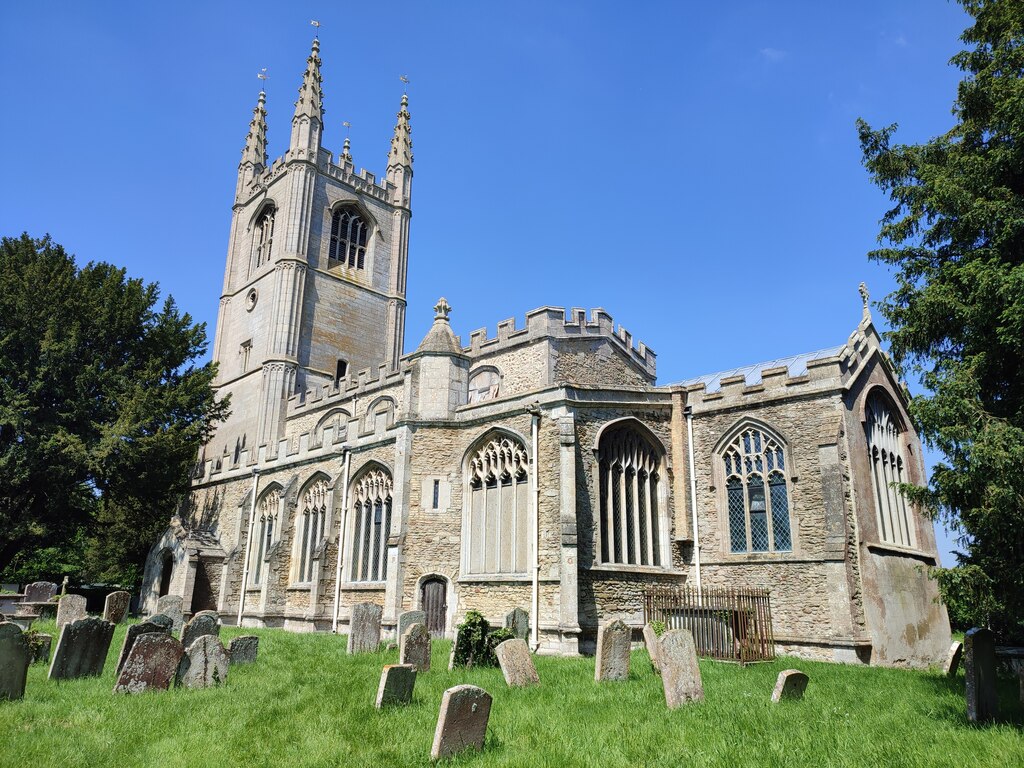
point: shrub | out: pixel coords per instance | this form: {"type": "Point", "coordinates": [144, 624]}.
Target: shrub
{"type": "Point", "coordinates": [475, 642]}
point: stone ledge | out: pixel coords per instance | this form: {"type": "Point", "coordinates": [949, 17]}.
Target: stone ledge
{"type": "Point", "coordinates": [896, 549]}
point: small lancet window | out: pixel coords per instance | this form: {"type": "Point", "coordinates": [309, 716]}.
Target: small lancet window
{"type": "Point", "coordinates": [348, 239]}
{"type": "Point", "coordinates": [757, 496]}
{"type": "Point", "coordinates": [340, 372]}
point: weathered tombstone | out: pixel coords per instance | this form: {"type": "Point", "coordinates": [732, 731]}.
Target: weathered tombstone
{"type": "Point", "coordinates": [136, 630]}
{"type": "Point", "coordinates": [396, 684]}
{"type": "Point", "coordinates": [516, 663]}
{"type": "Point", "coordinates": [204, 664]}
{"type": "Point", "coordinates": [81, 649]}
{"type": "Point", "coordinates": [214, 614]}
{"type": "Point", "coordinates": [115, 607]}
{"type": "Point", "coordinates": [790, 686]}
{"type": "Point", "coordinates": [243, 649]}
{"type": "Point", "coordinates": [415, 649]}
{"type": "Point", "coordinates": [956, 650]}
{"type": "Point", "coordinates": [200, 625]}
{"type": "Point", "coordinates": [980, 671]}
{"type": "Point", "coordinates": [165, 622]}
{"type": "Point", "coordinates": [651, 641]}
{"type": "Point", "coordinates": [407, 619]}
{"type": "Point", "coordinates": [462, 723]}
{"type": "Point", "coordinates": [151, 664]}
{"type": "Point", "coordinates": [15, 656]}
{"type": "Point", "coordinates": [518, 621]}
{"type": "Point", "coordinates": [612, 652]}
{"type": "Point", "coordinates": [171, 606]}
{"type": "Point", "coordinates": [680, 673]}
{"type": "Point", "coordinates": [40, 592]}
{"type": "Point", "coordinates": [40, 645]}
{"type": "Point", "coordinates": [364, 628]}
{"type": "Point", "coordinates": [70, 608]}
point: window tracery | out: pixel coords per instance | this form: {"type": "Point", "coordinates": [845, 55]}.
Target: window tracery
{"type": "Point", "coordinates": [757, 493]}
{"type": "Point", "coordinates": [310, 527]}
{"type": "Point", "coordinates": [497, 534]}
{"type": "Point", "coordinates": [887, 468]}
{"type": "Point", "coordinates": [631, 530]}
{"type": "Point", "coordinates": [348, 239]}
{"type": "Point", "coordinates": [268, 532]}
{"type": "Point", "coordinates": [371, 526]}
{"type": "Point", "coordinates": [263, 237]}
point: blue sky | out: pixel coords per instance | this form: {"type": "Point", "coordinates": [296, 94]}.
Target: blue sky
{"type": "Point", "coordinates": [693, 168]}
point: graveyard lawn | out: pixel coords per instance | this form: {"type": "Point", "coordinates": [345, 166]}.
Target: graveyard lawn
{"type": "Point", "coordinates": [305, 702]}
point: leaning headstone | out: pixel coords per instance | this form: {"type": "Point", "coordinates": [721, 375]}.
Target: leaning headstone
{"type": "Point", "coordinates": [980, 671]}
{"type": "Point", "coordinates": [41, 644]}
{"type": "Point", "coordinates": [364, 628]}
{"type": "Point", "coordinates": [612, 652]}
{"type": "Point", "coordinates": [956, 650]}
{"type": "Point", "coordinates": [39, 592]}
{"type": "Point", "coordinates": [171, 606]}
{"type": "Point", "coordinates": [651, 641]}
{"type": "Point", "coordinates": [115, 607]}
{"type": "Point", "coordinates": [790, 686]}
{"type": "Point", "coordinates": [200, 625]}
{"type": "Point", "coordinates": [81, 649]}
{"type": "Point", "coordinates": [516, 663]}
{"type": "Point", "coordinates": [396, 684]}
{"type": "Point", "coordinates": [407, 619]}
{"type": "Point", "coordinates": [518, 621]}
{"type": "Point", "coordinates": [151, 665]}
{"type": "Point", "coordinates": [15, 656]}
{"type": "Point", "coordinates": [243, 649]}
{"type": "Point", "coordinates": [148, 627]}
{"type": "Point", "coordinates": [204, 664]}
{"type": "Point", "coordinates": [70, 608]}
{"type": "Point", "coordinates": [680, 673]}
{"type": "Point", "coordinates": [462, 723]}
{"type": "Point", "coordinates": [415, 649]}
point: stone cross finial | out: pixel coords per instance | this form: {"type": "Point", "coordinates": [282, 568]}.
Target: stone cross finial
{"type": "Point", "coordinates": [442, 309]}
{"type": "Point", "coordinates": [864, 296]}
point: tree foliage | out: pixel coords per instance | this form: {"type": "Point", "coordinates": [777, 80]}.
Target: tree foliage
{"type": "Point", "coordinates": [955, 240]}
{"type": "Point", "coordinates": [102, 412]}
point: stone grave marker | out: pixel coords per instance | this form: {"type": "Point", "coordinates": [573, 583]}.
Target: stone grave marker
{"type": "Point", "coordinates": [516, 663]}
{"type": "Point", "coordinates": [243, 649]}
{"type": "Point", "coordinates": [115, 607]}
{"type": "Point", "coordinates": [204, 664]}
{"type": "Point", "coordinates": [396, 684]}
{"type": "Point", "coordinates": [201, 624]}
{"type": "Point", "coordinates": [407, 619]}
{"type": "Point", "coordinates": [415, 649]}
{"type": "Point", "coordinates": [15, 656]}
{"type": "Point", "coordinates": [40, 647]}
{"type": "Point", "coordinates": [151, 664]}
{"type": "Point", "coordinates": [518, 621]}
{"type": "Point", "coordinates": [81, 649]}
{"type": "Point", "coordinates": [171, 606]}
{"type": "Point", "coordinates": [790, 686]}
{"type": "Point", "coordinates": [462, 723]}
{"type": "Point", "coordinates": [980, 671]}
{"type": "Point", "coordinates": [150, 626]}
{"type": "Point", "coordinates": [612, 661]}
{"type": "Point", "coordinates": [40, 592]}
{"type": "Point", "coordinates": [680, 673]}
{"type": "Point", "coordinates": [956, 650]}
{"type": "Point", "coordinates": [651, 642]}
{"type": "Point", "coordinates": [364, 628]}
{"type": "Point", "coordinates": [70, 608]}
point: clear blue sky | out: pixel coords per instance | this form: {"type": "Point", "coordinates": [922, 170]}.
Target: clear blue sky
{"type": "Point", "coordinates": [693, 168]}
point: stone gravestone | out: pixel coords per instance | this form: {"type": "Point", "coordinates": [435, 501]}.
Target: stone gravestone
{"type": "Point", "coordinates": [651, 642]}
{"type": "Point", "coordinates": [407, 619]}
{"type": "Point", "coordinates": [415, 648]}
{"type": "Point", "coordinates": [153, 625]}
{"type": "Point", "coordinates": [40, 592]}
{"type": "Point", "coordinates": [980, 670]}
{"type": "Point", "coordinates": [396, 684]}
{"type": "Point", "coordinates": [115, 608]}
{"type": "Point", "coordinates": [41, 648]}
{"type": "Point", "coordinates": [516, 663]}
{"type": "Point", "coordinates": [70, 608]}
{"type": "Point", "coordinates": [171, 606]}
{"type": "Point", "coordinates": [81, 649]}
{"type": "Point", "coordinates": [462, 723]}
{"type": "Point", "coordinates": [518, 621]}
{"type": "Point", "coordinates": [680, 673]}
{"type": "Point", "coordinates": [790, 686]}
{"type": "Point", "coordinates": [364, 628]}
{"type": "Point", "coordinates": [243, 649]}
{"type": "Point", "coordinates": [201, 624]}
{"type": "Point", "coordinates": [151, 664]}
{"type": "Point", "coordinates": [204, 664]}
{"type": "Point", "coordinates": [612, 652]}
{"type": "Point", "coordinates": [15, 656]}
{"type": "Point", "coordinates": [956, 650]}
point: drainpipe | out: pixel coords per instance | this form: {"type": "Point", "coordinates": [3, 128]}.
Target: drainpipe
{"type": "Point", "coordinates": [341, 538]}
{"type": "Point", "coordinates": [693, 495]}
{"type": "Point", "coordinates": [535, 515]}
{"type": "Point", "coordinates": [248, 542]}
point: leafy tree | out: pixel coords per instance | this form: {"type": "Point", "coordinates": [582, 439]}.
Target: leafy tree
{"type": "Point", "coordinates": [102, 412]}
{"type": "Point", "coordinates": [955, 239]}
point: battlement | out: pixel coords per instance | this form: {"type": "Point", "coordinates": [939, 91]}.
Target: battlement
{"type": "Point", "coordinates": [360, 383]}
{"type": "Point", "coordinates": [363, 181]}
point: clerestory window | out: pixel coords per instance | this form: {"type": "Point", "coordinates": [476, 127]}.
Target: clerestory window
{"type": "Point", "coordinates": [757, 493]}
{"type": "Point", "coordinates": [348, 239]}
{"type": "Point", "coordinates": [631, 529]}
{"type": "Point", "coordinates": [887, 472]}
{"type": "Point", "coordinates": [371, 525]}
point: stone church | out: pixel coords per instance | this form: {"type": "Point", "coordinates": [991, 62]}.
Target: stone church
{"type": "Point", "coordinates": [540, 466]}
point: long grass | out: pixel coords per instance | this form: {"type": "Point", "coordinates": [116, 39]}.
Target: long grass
{"type": "Point", "coordinates": [306, 703]}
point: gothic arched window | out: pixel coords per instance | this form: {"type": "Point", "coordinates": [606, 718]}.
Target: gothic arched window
{"type": "Point", "coordinates": [496, 537]}
{"type": "Point", "coordinates": [371, 525]}
{"type": "Point", "coordinates": [348, 239]}
{"type": "Point", "coordinates": [630, 528]}
{"type": "Point", "coordinates": [263, 237]}
{"type": "Point", "coordinates": [887, 468]}
{"type": "Point", "coordinates": [484, 384]}
{"type": "Point", "coordinates": [757, 493]}
{"type": "Point", "coordinates": [268, 532]}
{"type": "Point", "coordinates": [310, 522]}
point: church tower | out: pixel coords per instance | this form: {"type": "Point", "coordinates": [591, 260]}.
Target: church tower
{"type": "Point", "coordinates": [314, 288]}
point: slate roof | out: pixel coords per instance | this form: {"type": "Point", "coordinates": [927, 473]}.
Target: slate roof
{"type": "Point", "coordinates": [797, 365]}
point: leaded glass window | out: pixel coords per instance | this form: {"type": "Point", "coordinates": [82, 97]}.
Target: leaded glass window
{"type": "Point", "coordinates": [887, 472]}
{"type": "Point", "coordinates": [371, 526]}
{"type": "Point", "coordinates": [348, 239]}
{"type": "Point", "coordinates": [263, 237]}
{"type": "Point", "coordinates": [267, 531]}
{"type": "Point", "coordinates": [497, 534]}
{"type": "Point", "coordinates": [757, 495]}
{"type": "Point", "coordinates": [629, 526]}
{"type": "Point", "coordinates": [312, 518]}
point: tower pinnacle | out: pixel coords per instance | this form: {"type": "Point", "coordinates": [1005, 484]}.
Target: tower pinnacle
{"type": "Point", "coordinates": [311, 95]}
{"type": "Point", "coordinates": [401, 143]}
{"type": "Point", "coordinates": [255, 150]}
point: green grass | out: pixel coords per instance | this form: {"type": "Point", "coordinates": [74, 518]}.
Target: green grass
{"type": "Point", "coordinates": [306, 703]}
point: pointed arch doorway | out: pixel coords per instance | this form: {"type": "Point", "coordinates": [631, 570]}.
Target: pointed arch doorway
{"type": "Point", "coordinates": [434, 602]}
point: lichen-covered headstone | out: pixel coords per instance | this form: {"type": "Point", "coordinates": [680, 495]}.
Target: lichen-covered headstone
{"type": "Point", "coordinates": [651, 641]}
{"type": "Point", "coordinates": [159, 625]}
{"type": "Point", "coordinates": [980, 672]}
{"type": "Point", "coordinates": [516, 663]}
{"type": "Point", "coordinates": [680, 674]}
{"type": "Point", "coordinates": [115, 607]}
{"type": "Point", "coordinates": [407, 619]}
{"type": "Point", "coordinates": [151, 664]}
{"type": "Point", "coordinates": [396, 684]}
{"type": "Point", "coordinates": [81, 649]}
{"type": "Point", "coordinates": [204, 664]}
{"type": "Point", "coordinates": [462, 722]}
{"type": "Point", "coordinates": [200, 625]}
{"type": "Point", "coordinates": [15, 656]}
{"type": "Point", "coordinates": [956, 650]}
{"type": "Point", "coordinates": [790, 686]}
{"type": "Point", "coordinates": [171, 606]}
{"type": "Point", "coordinates": [518, 621]}
{"type": "Point", "coordinates": [40, 592]}
{"type": "Point", "coordinates": [612, 661]}
{"type": "Point", "coordinates": [41, 644]}
{"type": "Point", "coordinates": [364, 628]}
{"type": "Point", "coordinates": [415, 647]}
{"type": "Point", "coordinates": [70, 608]}
{"type": "Point", "coordinates": [243, 649]}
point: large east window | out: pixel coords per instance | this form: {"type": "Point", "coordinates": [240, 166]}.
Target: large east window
{"type": "Point", "coordinates": [757, 493]}
{"type": "Point", "coordinates": [887, 472]}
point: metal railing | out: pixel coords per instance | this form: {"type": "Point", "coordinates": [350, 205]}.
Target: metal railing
{"type": "Point", "coordinates": [727, 624]}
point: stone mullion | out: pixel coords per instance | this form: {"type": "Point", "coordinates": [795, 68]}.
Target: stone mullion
{"type": "Point", "coordinates": [649, 511]}
{"type": "Point", "coordinates": [635, 514]}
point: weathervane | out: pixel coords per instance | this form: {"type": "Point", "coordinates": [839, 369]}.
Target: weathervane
{"type": "Point", "coordinates": [316, 24]}
{"type": "Point", "coordinates": [405, 80]}
{"type": "Point", "coordinates": [262, 75]}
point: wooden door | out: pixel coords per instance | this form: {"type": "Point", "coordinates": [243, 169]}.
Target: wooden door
{"type": "Point", "coordinates": [434, 602]}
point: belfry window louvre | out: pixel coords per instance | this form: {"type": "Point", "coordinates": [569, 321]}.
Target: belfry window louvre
{"type": "Point", "coordinates": [630, 529]}
{"type": "Point", "coordinates": [497, 534]}
{"type": "Point", "coordinates": [348, 239]}
{"type": "Point", "coordinates": [311, 521]}
{"type": "Point", "coordinates": [757, 494]}
{"type": "Point", "coordinates": [263, 237]}
{"type": "Point", "coordinates": [371, 525]}
{"type": "Point", "coordinates": [267, 532]}
{"type": "Point", "coordinates": [887, 472]}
